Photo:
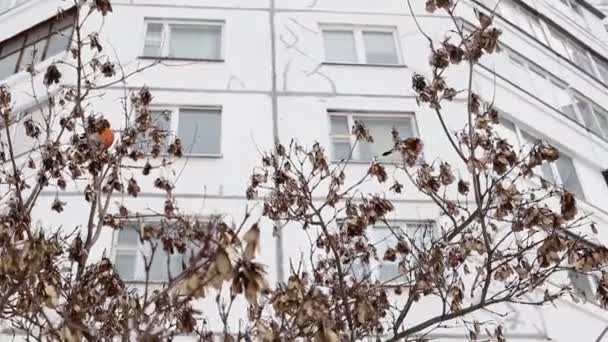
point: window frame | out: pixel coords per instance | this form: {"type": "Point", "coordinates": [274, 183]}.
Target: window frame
{"type": "Point", "coordinates": [166, 37]}
{"type": "Point", "coordinates": [138, 251]}
{"type": "Point", "coordinates": [555, 174]}
{"type": "Point", "coordinates": [529, 67]}
{"type": "Point", "coordinates": [378, 239]}
{"type": "Point", "coordinates": [351, 139]}
{"type": "Point", "coordinates": [173, 111]}
{"type": "Point", "coordinates": [360, 49]}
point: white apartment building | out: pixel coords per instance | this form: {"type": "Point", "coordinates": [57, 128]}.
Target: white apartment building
{"type": "Point", "coordinates": [237, 75]}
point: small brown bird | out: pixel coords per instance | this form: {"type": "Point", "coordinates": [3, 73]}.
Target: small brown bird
{"type": "Point", "coordinates": [104, 138]}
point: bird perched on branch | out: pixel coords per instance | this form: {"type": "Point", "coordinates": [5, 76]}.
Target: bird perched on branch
{"type": "Point", "coordinates": [104, 137]}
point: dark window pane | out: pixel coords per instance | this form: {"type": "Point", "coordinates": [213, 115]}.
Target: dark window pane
{"type": "Point", "coordinates": [8, 65]}
{"type": "Point", "coordinates": [32, 54]}
{"type": "Point", "coordinates": [59, 42]}
{"type": "Point", "coordinates": [12, 45]}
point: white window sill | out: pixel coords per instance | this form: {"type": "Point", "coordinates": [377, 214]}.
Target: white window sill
{"type": "Point", "coordinates": [183, 59]}
{"type": "Point", "coordinates": [368, 162]}
{"type": "Point", "coordinates": [205, 156]}
{"type": "Point", "coordinates": [365, 64]}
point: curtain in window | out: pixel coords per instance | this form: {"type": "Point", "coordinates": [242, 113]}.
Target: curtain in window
{"type": "Point", "coordinates": [200, 131]}
{"type": "Point", "coordinates": [195, 41]}
{"type": "Point", "coordinates": [340, 46]}
{"type": "Point", "coordinates": [380, 48]}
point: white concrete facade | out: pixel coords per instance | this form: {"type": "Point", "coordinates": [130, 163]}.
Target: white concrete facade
{"type": "Point", "coordinates": [272, 83]}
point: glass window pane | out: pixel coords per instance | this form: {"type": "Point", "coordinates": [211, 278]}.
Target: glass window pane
{"type": "Point", "coordinates": [191, 41]}
{"type": "Point", "coordinates": [380, 48]}
{"type": "Point", "coordinates": [32, 54]}
{"type": "Point", "coordinates": [59, 42]}
{"type": "Point", "coordinates": [339, 125]}
{"type": "Point", "coordinates": [545, 169]}
{"type": "Point", "coordinates": [519, 72]}
{"type": "Point", "coordinates": [129, 236]}
{"type": "Point", "coordinates": [381, 130]}
{"type": "Point", "coordinates": [154, 40]}
{"type": "Point", "coordinates": [341, 150]}
{"type": "Point", "coordinates": [542, 86]}
{"type": "Point", "coordinates": [602, 68]}
{"type": "Point", "coordinates": [158, 268]}
{"type": "Point", "coordinates": [582, 59]}
{"type": "Point", "coordinates": [568, 176]}
{"type": "Point", "coordinates": [340, 46]}
{"type": "Point", "coordinates": [8, 65]}
{"type": "Point", "coordinates": [581, 284]}
{"type": "Point", "coordinates": [200, 131]}
{"type": "Point", "coordinates": [562, 100]}
{"type": "Point", "coordinates": [602, 118]}
{"type": "Point", "coordinates": [506, 130]}
{"type": "Point", "coordinates": [584, 108]}
{"type": "Point", "coordinates": [125, 264]}
{"type": "Point", "coordinates": [38, 33]}
{"type": "Point", "coordinates": [557, 43]}
{"type": "Point", "coordinates": [161, 119]}
{"type": "Point", "coordinates": [12, 45]}
{"type": "Point", "coordinates": [537, 29]}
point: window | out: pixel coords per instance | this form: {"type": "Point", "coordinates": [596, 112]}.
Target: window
{"type": "Point", "coordinates": [131, 256]}
{"type": "Point", "coordinates": [418, 234]}
{"type": "Point", "coordinates": [183, 39]}
{"type": "Point", "coordinates": [561, 172]}
{"type": "Point", "coordinates": [574, 12]}
{"type": "Point", "coordinates": [582, 285]}
{"type": "Point", "coordinates": [360, 45]}
{"type": "Point", "coordinates": [545, 32]}
{"type": "Point", "coordinates": [41, 42]}
{"type": "Point", "coordinates": [522, 19]}
{"type": "Point", "coordinates": [161, 119]}
{"type": "Point", "coordinates": [199, 129]}
{"type": "Point", "coordinates": [380, 127]}
{"type": "Point", "coordinates": [559, 95]}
